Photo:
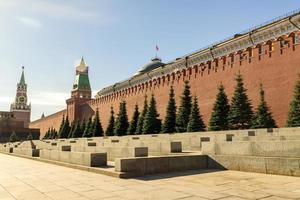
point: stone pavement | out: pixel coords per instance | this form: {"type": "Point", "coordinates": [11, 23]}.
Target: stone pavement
{"type": "Point", "coordinates": [27, 179]}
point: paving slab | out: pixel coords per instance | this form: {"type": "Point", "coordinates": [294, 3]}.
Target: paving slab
{"type": "Point", "coordinates": [29, 179]}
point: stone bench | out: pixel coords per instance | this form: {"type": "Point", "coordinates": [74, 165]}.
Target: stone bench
{"type": "Point", "coordinates": [6, 149]}
{"type": "Point", "coordinates": [124, 152]}
{"type": "Point", "coordinates": [160, 164]}
{"type": "Point", "coordinates": [259, 148]}
{"type": "Point", "coordinates": [268, 165]}
{"type": "Point", "coordinates": [78, 158]}
{"type": "Point", "coordinates": [113, 152]}
{"type": "Point", "coordinates": [27, 151]}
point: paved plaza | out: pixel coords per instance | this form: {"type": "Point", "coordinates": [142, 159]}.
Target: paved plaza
{"type": "Point", "coordinates": [27, 179]}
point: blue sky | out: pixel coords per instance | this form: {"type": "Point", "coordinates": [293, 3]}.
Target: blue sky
{"type": "Point", "coordinates": [116, 37]}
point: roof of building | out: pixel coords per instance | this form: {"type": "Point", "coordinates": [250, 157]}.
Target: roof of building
{"type": "Point", "coordinates": [154, 64]}
{"type": "Point", "coordinates": [82, 82]}
{"type": "Point", "coordinates": [82, 66]}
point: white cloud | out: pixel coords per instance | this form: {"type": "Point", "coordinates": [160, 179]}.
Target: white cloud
{"type": "Point", "coordinates": [49, 98]}
{"type": "Point", "coordinates": [42, 102]}
{"type": "Point", "coordinates": [30, 22]}
{"type": "Point", "coordinates": [94, 93]}
{"type": "Point", "coordinates": [6, 99]}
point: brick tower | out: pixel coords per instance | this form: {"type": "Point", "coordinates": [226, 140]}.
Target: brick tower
{"type": "Point", "coordinates": [20, 108]}
{"type": "Point", "coordinates": [81, 92]}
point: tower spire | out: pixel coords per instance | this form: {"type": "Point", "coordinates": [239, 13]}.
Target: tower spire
{"type": "Point", "coordinates": [82, 61]}
{"type": "Point", "coordinates": [19, 107]}
{"type": "Point", "coordinates": [22, 80]}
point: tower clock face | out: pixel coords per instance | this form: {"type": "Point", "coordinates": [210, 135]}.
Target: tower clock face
{"type": "Point", "coordinates": [22, 99]}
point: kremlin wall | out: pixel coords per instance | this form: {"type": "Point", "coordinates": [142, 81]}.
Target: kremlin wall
{"type": "Point", "coordinates": [267, 54]}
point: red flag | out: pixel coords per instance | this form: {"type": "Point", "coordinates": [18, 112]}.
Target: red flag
{"type": "Point", "coordinates": [157, 48]}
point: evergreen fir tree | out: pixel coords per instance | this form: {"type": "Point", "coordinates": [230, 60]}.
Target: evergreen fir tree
{"type": "Point", "coordinates": [240, 113]}
{"type": "Point", "coordinates": [30, 137]}
{"type": "Point", "coordinates": [71, 129]}
{"type": "Point", "coordinates": [82, 127]}
{"type": "Point", "coordinates": [219, 116]}
{"type": "Point", "coordinates": [87, 129]}
{"type": "Point", "coordinates": [97, 127]}
{"type": "Point", "coordinates": [13, 137]}
{"type": "Point", "coordinates": [196, 122]}
{"type": "Point", "coordinates": [121, 124]}
{"type": "Point", "coordinates": [184, 110]}
{"type": "Point", "coordinates": [111, 123]}
{"type": "Point", "coordinates": [65, 129]}
{"type": "Point", "coordinates": [134, 121]}
{"type": "Point", "coordinates": [77, 133]}
{"type": "Point", "coordinates": [91, 129]}
{"type": "Point", "coordinates": [54, 135]}
{"type": "Point", "coordinates": [151, 122]}
{"type": "Point", "coordinates": [61, 124]}
{"type": "Point", "coordinates": [51, 132]}
{"type": "Point", "coordinates": [47, 134]}
{"type": "Point", "coordinates": [263, 116]}
{"type": "Point", "coordinates": [170, 119]}
{"type": "Point", "coordinates": [140, 124]}
{"type": "Point", "coordinates": [294, 110]}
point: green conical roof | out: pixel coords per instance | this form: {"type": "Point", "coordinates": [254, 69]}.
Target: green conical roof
{"type": "Point", "coordinates": [22, 80]}
{"type": "Point", "coordinates": [81, 82]}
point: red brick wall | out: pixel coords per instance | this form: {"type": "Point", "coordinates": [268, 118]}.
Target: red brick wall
{"type": "Point", "coordinates": [276, 70]}
{"type": "Point", "coordinates": [44, 124]}
{"type": "Point", "coordinates": [23, 116]}
{"type": "Point", "coordinates": [277, 73]}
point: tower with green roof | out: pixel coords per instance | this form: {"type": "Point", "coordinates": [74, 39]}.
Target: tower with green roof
{"type": "Point", "coordinates": [81, 91]}
{"type": "Point", "coordinates": [20, 108]}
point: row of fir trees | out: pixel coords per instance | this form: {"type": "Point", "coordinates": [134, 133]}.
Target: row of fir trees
{"type": "Point", "coordinates": [237, 114]}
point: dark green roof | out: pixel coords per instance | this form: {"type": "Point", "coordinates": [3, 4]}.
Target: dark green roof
{"type": "Point", "coordinates": [155, 63]}
{"type": "Point", "coordinates": [82, 82]}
